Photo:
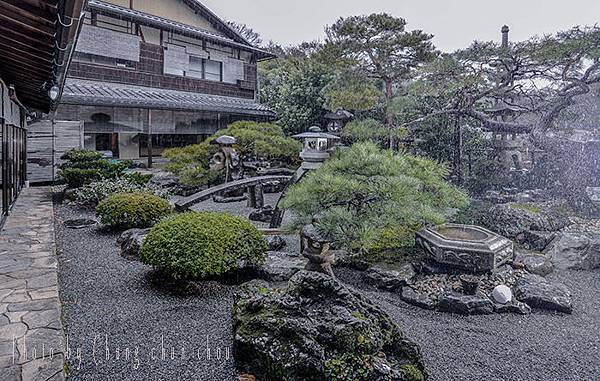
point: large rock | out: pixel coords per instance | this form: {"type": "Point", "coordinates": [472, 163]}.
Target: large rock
{"type": "Point", "coordinates": [131, 242]}
{"type": "Point", "coordinates": [390, 279]}
{"type": "Point", "coordinates": [281, 266]}
{"type": "Point", "coordinates": [275, 242]}
{"type": "Point", "coordinates": [578, 251]}
{"type": "Point", "coordinates": [418, 299]}
{"type": "Point", "coordinates": [263, 214]}
{"type": "Point", "coordinates": [351, 261]}
{"type": "Point", "coordinates": [466, 304]}
{"type": "Point", "coordinates": [512, 220]}
{"type": "Point", "coordinates": [318, 329]}
{"type": "Point", "coordinates": [537, 292]}
{"type": "Point", "coordinates": [535, 263]}
{"type": "Point", "coordinates": [536, 240]}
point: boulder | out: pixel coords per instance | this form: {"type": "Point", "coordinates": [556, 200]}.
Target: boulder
{"type": "Point", "coordinates": [502, 294]}
{"type": "Point", "coordinates": [573, 250]}
{"type": "Point", "coordinates": [318, 329]}
{"type": "Point", "coordinates": [535, 263]}
{"type": "Point", "coordinates": [511, 220]}
{"type": "Point", "coordinates": [351, 261]}
{"type": "Point", "coordinates": [131, 242]}
{"type": "Point", "coordinates": [275, 242]}
{"type": "Point", "coordinates": [389, 279]}
{"type": "Point", "coordinates": [263, 214]}
{"type": "Point", "coordinates": [536, 240]}
{"type": "Point", "coordinates": [418, 299]}
{"type": "Point", "coordinates": [537, 292]}
{"type": "Point", "coordinates": [466, 304]}
{"type": "Point", "coordinates": [281, 266]}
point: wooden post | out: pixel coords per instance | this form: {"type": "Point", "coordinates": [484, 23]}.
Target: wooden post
{"type": "Point", "coordinates": [149, 138]}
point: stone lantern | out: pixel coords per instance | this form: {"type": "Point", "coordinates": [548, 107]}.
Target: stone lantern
{"type": "Point", "coordinates": [317, 147]}
{"type": "Point", "coordinates": [226, 159]}
{"type": "Point", "coordinates": [337, 120]}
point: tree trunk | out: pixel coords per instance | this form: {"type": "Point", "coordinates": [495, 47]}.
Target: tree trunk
{"type": "Point", "coordinates": [458, 151]}
{"type": "Point", "coordinates": [389, 118]}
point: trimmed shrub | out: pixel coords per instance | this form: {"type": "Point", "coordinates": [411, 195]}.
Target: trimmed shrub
{"type": "Point", "coordinates": [132, 210]}
{"type": "Point", "coordinates": [80, 156]}
{"type": "Point", "coordinates": [203, 245]}
{"type": "Point", "coordinates": [83, 167]}
{"type": "Point", "coordinates": [77, 177]}
{"type": "Point", "coordinates": [93, 193]}
{"type": "Point", "coordinates": [138, 178]}
{"type": "Point", "coordinates": [254, 140]}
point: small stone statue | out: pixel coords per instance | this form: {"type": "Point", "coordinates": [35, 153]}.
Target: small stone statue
{"type": "Point", "coordinates": [315, 248]}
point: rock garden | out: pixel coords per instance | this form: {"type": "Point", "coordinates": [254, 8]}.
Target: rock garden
{"type": "Point", "coordinates": [369, 276]}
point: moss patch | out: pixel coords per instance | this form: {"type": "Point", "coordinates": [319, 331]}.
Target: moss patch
{"type": "Point", "coordinates": [412, 373]}
{"type": "Point", "coordinates": [527, 207]}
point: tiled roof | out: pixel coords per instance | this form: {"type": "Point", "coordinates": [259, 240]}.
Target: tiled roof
{"type": "Point", "coordinates": [174, 26]}
{"type": "Point", "coordinates": [84, 92]}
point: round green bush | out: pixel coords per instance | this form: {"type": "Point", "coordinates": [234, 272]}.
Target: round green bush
{"type": "Point", "coordinates": [203, 245]}
{"type": "Point", "coordinates": [132, 210]}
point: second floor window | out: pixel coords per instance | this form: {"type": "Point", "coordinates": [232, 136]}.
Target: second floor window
{"type": "Point", "coordinates": [205, 69]}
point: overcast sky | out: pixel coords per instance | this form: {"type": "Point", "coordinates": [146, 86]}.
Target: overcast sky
{"type": "Point", "coordinates": [455, 23]}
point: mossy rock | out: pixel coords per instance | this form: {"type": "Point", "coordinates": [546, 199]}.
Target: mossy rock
{"type": "Point", "coordinates": [512, 220]}
{"type": "Point", "coordinates": [318, 329]}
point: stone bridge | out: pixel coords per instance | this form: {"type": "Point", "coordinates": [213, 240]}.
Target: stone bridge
{"type": "Point", "coordinates": [185, 203]}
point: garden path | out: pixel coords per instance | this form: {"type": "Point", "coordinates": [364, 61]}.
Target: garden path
{"type": "Point", "coordinates": [31, 333]}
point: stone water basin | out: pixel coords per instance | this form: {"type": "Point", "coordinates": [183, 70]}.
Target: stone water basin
{"type": "Point", "coordinates": [466, 247]}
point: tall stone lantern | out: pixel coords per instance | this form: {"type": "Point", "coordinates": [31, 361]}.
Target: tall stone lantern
{"type": "Point", "coordinates": [317, 147]}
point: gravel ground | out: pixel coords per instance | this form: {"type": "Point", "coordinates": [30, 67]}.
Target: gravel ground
{"type": "Point", "coordinates": [109, 299]}
{"type": "Point", "coordinates": [104, 294]}
{"type": "Point", "coordinates": [542, 346]}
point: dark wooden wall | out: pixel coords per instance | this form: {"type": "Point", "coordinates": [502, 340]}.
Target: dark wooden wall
{"type": "Point", "coordinates": [149, 72]}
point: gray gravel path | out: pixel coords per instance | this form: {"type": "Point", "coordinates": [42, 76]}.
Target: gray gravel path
{"type": "Point", "coordinates": [108, 298]}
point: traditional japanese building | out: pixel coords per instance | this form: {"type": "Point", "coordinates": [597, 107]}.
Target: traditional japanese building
{"type": "Point", "coordinates": [153, 74]}
{"type": "Point", "coordinates": [37, 40]}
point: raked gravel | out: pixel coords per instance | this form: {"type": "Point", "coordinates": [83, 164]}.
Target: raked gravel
{"type": "Point", "coordinates": [106, 297]}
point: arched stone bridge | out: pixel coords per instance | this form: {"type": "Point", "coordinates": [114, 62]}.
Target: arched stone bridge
{"type": "Point", "coordinates": [185, 203]}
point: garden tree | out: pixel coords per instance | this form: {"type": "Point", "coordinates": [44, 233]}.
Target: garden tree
{"type": "Point", "coordinates": [351, 91]}
{"type": "Point", "coordinates": [254, 139]}
{"type": "Point", "coordinates": [369, 130]}
{"type": "Point", "coordinates": [542, 77]}
{"type": "Point", "coordinates": [293, 87]}
{"type": "Point", "coordinates": [381, 47]}
{"type": "Point", "coordinates": [246, 32]}
{"type": "Point", "coordinates": [367, 199]}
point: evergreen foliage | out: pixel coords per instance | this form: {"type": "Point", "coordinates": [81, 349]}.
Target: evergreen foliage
{"type": "Point", "coordinates": [366, 198]}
